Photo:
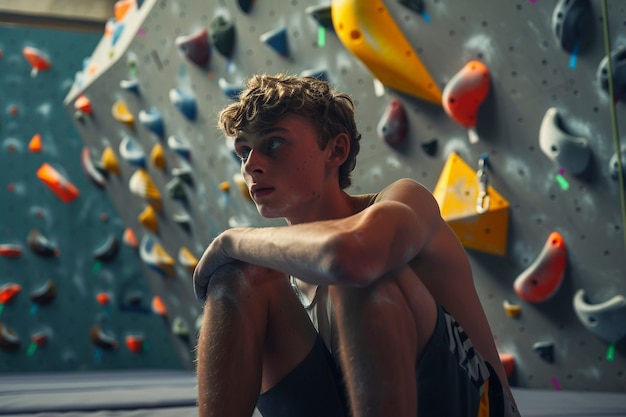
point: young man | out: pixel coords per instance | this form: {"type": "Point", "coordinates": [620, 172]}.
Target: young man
{"type": "Point", "coordinates": [377, 275]}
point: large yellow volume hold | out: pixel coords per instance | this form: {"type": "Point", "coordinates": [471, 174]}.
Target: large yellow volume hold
{"type": "Point", "coordinates": [368, 31]}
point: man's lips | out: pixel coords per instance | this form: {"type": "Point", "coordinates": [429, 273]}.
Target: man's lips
{"type": "Point", "coordinates": [260, 191]}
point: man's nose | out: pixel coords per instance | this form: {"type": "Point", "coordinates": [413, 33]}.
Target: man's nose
{"type": "Point", "coordinates": [253, 163]}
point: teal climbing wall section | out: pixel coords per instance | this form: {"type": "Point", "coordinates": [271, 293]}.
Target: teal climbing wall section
{"type": "Point", "coordinates": [71, 289]}
{"type": "Point", "coordinates": [505, 97]}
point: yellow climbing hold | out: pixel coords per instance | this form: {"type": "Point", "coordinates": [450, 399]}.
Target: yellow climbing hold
{"type": "Point", "coordinates": [187, 259]}
{"type": "Point", "coordinates": [148, 219]}
{"type": "Point", "coordinates": [367, 29]}
{"type": "Point", "coordinates": [224, 186]}
{"type": "Point", "coordinates": [511, 310]}
{"type": "Point", "coordinates": [109, 161]}
{"type": "Point", "coordinates": [456, 192]}
{"type": "Point", "coordinates": [141, 185]}
{"type": "Point", "coordinates": [122, 114]}
{"type": "Point", "coordinates": [157, 156]}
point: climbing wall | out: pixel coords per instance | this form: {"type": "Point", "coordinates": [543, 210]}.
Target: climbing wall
{"type": "Point", "coordinates": [502, 110]}
{"type": "Point", "coordinates": [72, 290]}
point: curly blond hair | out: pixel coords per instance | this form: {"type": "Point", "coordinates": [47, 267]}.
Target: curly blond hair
{"type": "Point", "coordinates": [268, 98]}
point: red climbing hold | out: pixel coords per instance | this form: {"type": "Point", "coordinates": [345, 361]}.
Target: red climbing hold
{"type": "Point", "coordinates": [544, 276]}
{"type": "Point", "coordinates": [37, 59]}
{"type": "Point", "coordinates": [8, 292]}
{"type": "Point", "coordinates": [9, 250]}
{"type": "Point", "coordinates": [465, 92]}
{"type": "Point", "coordinates": [64, 189]}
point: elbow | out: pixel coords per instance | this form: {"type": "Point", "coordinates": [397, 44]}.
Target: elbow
{"type": "Point", "coordinates": [349, 263]}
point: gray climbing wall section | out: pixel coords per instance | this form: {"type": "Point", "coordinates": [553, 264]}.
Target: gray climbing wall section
{"type": "Point", "coordinates": [500, 107]}
{"type": "Point", "coordinates": [72, 293]}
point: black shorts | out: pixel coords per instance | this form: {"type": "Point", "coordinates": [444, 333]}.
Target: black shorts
{"type": "Point", "coordinates": [313, 389]}
{"type": "Point", "coordinates": [452, 381]}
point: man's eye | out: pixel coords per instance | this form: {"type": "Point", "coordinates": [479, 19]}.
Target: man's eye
{"type": "Point", "coordinates": [243, 153]}
{"type": "Point", "coordinates": [274, 144]}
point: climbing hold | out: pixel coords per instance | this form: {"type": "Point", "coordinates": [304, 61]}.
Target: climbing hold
{"type": "Point", "coordinates": [512, 310]}
{"type": "Point", "coordinates": [157, 156]}
{"type": "Point", "coordinates": [606, 319]}
{"type": "Point", "coordinates": [320, 74]}
{"type": "Point", "coordinates": [148, 219]}
{"type": "Point", "coordinates": [40, 245]}
{"type": "Point", "coordinates": [94, 174]}
{"type": "Point", "coordinates": [8, 291]}
{"type": "Point", "coordinates": [102, 340]}
{"type": "Point", "coordinates": [118, 29]}
{"type": "Point", "coordinates": [134, 342]}
{"type": "Point", "coordinates": [457, 193]}
{"type": "Point", "coordinates": [180, 145]}
{"type": "Point", "coordinates": [464, 93]}
{"type": "Point", "coordinates": [158, 306]}
{"type": "Point", "coordinates": [132, 152]}
{"type": "Point", "coordinates": [9, 250]}
{"type": "Point", "coordinates": [107, 250]}
{"type": "Point", "coordinates": [224, 186]}
{"type": "Point", "coordinates": [37, 59]}
{"type": "Point", "coordinates": [393, 125]}
{"type": "Point", "coordinates": [121, 7]}
{"type": "Point", "coordinates": [367, 29]}
{"type": "Point", "coordinates": [35, 143]}
{"type": "Point", "coordinates": [176, 189]}
{"type": "Point", "coordinates": [9, 340]}
{"type": "Point", "coordinates": [155, 257]}
{"type": "Point", "coordinates": [545, 350]}
{"type": "Point", "coordinates": [222, 33]}
{"type": "Point", "coordinates": [152, 120]}
{"type": "Point", "coordinates": [83, 104]}
{"type": "Point", "coordinates": [231, 90]}
{"type": "Point", "coordinates": [571, 23]}
{"type": "Point", "coordinates": [103, 298]}
{"type": "Point", "coordinates": [277, 40]}
{"type": "Point", "coordinates": [108, 160]}
{"type": "Point", "coordinates": [183, 220]}
{"type": "Point", "coordinates": [508, 361]}
{"type": "Point", "coordinates": [132, 86]}
{"type": "Point", "coordinates": [618, 68]}
{"type": "Point", "coordinates": [187, 259]}
{"type": "Point", "coordinates": [245, 5]}
{"type": "Point", "coordinates": [57, 183]}
{"type": "Point", "coordinates": [614, 163]}
{"type": "Point", "coordinates": [129, 238]}
{"type": "Point", "coordinates": [184, 174]}
{"type": "Point", "coordinates": [184, 102]}
{"type": "Point", "coordinates": [180, 328]}
{"type": "Point", "coordinates": [122, 114]}
{"type": "Point", "coordinates": [416, 5]}
{"type": "Point", "coordinates": [322, 14]}
{"type": "Point", "coordinates": [40, 338]}
{"type": "Point", "coordinates": [430, 147]}
{"type": "Point", "coordinates": [570, 152]}
{"type": "Point", "coordinates": [196, 47]}
{"type": "Point", "coordinates": [45, 294]}
{"type": "Point", "coordinates": [541, 280]}
{"type": "Point", "coordinates": [141, 185]}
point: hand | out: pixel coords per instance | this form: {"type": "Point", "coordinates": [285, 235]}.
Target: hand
{"type": "Point", "coordinates": [213, 258]}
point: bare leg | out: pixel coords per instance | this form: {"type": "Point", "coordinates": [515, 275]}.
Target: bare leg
{"type": "Point", "coordinates": [254, 332]}
{"type": "Point", "coordinates": [382, 330]}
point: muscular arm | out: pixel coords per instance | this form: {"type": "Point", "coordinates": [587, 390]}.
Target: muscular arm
{"type": "Point", "coordinates": [350, 251]}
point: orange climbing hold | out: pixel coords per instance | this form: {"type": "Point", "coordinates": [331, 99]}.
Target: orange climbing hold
{"type": "Point", "coordinates": [508, 361]}
{"type": "Point", "coordinates": [158, 307]}
{"type": "Point", "coordinates": [121, 7]}
{"type": "Point", "coordinates": [37, 59]}
{"type": "Point", "coordinates": [35, 143]}
{"type": "Point", "coordinates": [8, 292]}
{"type": "Point", "coordinates": [103, 298]}
{"type": "Point", "coordinates": [64, 189]}
{"type": "Point", "coordinates": [130, 238]}
{"type": "Point", "coordinates": [465, 92]}
{"type": "Point", "coordinates": [541, 280]}
{"type": "Point", "coordinates": [134, 343]}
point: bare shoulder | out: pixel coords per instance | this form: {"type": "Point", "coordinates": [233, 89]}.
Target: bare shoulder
{"type": "Point", "coordinates": [410, 192]}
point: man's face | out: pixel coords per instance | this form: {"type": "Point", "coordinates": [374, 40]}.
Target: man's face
{"type": "Point", "coordinates": [284, 168]}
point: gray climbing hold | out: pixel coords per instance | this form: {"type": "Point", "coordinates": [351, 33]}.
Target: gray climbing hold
{"type": "Point", "coordinates": [569, 151]}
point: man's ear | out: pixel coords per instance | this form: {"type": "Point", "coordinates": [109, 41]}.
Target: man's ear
{"type": "Point", "coordinates": [339, 148]}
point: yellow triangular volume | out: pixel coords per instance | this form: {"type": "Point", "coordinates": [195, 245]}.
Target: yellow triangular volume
{"type": "Point", "coordinates": [457, 194]}
{"type": "Point", "coordinates": [367, 29]}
